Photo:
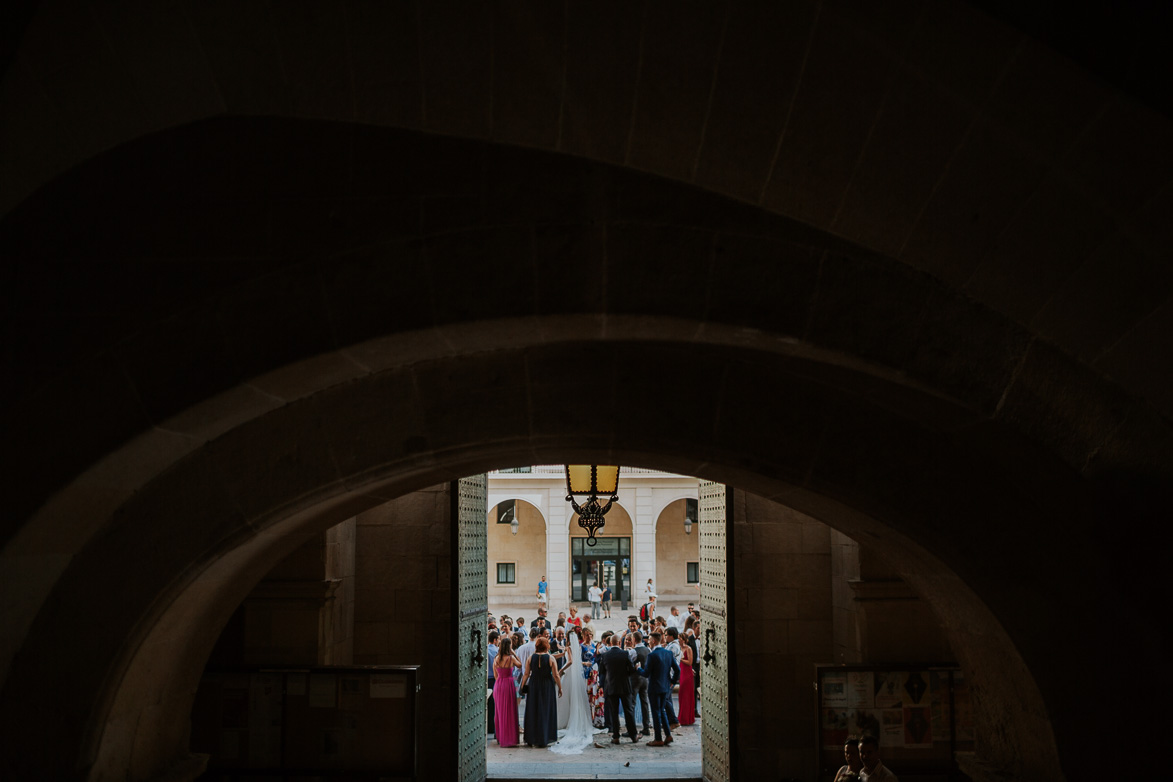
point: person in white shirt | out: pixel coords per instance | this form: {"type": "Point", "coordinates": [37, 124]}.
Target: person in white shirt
{"type": "Point", "coordinates": [595, 595]}
{"type": "Point", "coordinates": [869, 755]}
{"type": "Point", "coordinates": [676, 620]}
{"type": "Point", "coordinates": [673, 636]}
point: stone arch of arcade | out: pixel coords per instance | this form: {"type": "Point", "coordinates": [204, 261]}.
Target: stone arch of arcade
{"type": "Point", "coordinates": [675, 548]}
{"type": "Point", "coordinates": [527, 550]}
{"type": "Point", "coordinates": [931, 314]}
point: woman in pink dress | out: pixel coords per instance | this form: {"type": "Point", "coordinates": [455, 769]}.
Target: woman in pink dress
{"type": "Point", "coordinates": [505, 695]}
{"type": "Point", "coordinates": [686, 715]}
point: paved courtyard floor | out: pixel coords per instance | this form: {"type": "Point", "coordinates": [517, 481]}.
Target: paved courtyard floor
{"type": "Point", "coordinates": [680, 760]}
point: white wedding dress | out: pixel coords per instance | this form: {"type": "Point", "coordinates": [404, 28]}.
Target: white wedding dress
{"type": "Point", "coordinates": [580, 731]}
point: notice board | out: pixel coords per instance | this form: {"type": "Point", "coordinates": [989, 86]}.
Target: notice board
{"type": "Point", "coordinates": [921, 715]}
{"type": "Point", "coordinates": [255, 721]}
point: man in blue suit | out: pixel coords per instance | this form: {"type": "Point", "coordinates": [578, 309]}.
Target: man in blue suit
{"type": "Point", "coordinates": [662, 672]}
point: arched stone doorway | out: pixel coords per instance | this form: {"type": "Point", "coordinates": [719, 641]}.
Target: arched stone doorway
{"type": "Point", "coordinates": [677, 555]}
{"type": "Point", "coordinates": [199, 603]}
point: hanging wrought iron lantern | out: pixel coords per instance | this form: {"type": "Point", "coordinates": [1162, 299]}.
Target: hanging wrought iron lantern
{"type": "Point", "coordinates": [590, 481]}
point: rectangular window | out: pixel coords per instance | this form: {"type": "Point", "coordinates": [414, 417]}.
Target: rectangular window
{"type": "Point", "coordinates": [506, 509]}
{"type": "Point", "coordinates": [694, 572]}
{"type": "Point", "coordinates": [506, 573]}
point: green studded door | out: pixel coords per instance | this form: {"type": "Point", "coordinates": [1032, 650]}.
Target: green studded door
{"type": "Point", "coordinates": [715, 632]}
{"type": "Point", "coordinates": [469, 614]}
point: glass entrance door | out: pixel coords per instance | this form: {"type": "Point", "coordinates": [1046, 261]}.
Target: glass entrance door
{"type": "Point", "coordinates": [607, 563]}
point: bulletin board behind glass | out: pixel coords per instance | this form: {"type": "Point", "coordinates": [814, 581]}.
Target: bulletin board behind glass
{"type": "Point", "coordinates": [921, 715]}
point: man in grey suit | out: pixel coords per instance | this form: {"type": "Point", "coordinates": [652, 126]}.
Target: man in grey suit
{"type": "Point", "coordinates": [617, 689]}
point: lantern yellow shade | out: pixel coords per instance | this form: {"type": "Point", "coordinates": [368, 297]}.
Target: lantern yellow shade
{"type": "Point", "coordinates": [578, 479]}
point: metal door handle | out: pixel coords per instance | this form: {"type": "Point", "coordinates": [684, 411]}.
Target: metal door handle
{"type": "Point", "coordinates": [478, 655]}
{"type": "Point", "coordinates": [709, 656]}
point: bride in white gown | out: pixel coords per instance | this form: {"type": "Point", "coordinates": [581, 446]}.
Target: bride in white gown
{"type": "Point", "coordinates": [580, 731]}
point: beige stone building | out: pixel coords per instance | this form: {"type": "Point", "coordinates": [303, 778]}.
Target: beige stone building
{"type": "Point", "coordinates": [645, 537]}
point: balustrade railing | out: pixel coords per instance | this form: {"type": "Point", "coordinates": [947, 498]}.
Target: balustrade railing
{"type": "Point", "coordinates": [547, 470]}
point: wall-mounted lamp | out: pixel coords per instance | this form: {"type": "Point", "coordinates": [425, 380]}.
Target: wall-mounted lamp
{"type": "Point", "coordinates": [511, 512]}
{"type": "Point", "coordinates": [687, 525]}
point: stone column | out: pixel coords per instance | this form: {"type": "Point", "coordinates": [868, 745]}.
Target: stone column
{"type": "Point", "coordinates": [557, 552]}
{"type": "Point", "coordinates": [643, 542]}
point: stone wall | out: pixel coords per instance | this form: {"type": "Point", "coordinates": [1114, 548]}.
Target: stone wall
{"type": "Point", "coordinates": [783, 626]}
{"type": "Point", "coordinates": [828, 599]}
{"type": "Point", "coordinates": [340, 540]}
{"type": "Point", "coordinates": [894, 623]}
{"type": "Point", "coordinates": [300, 613]}
{"type": "Point", "coordinates": [848, 619]}
{"type": "Point", "coordinates": [402, 608]}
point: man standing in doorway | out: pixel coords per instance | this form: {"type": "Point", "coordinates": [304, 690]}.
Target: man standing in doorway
{"type": "Point", "coordinates": [542, 593]}
{"type": "Point", "coordinates": [595, 595]}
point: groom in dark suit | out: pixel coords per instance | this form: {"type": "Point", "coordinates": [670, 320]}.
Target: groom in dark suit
{"type": "Point", "coordinates": [617, 688]}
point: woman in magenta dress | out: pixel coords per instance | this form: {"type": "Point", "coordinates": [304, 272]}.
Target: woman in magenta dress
{"type": "Point", "coordinates": [686, 715]}
{"type": "Point", "coordinates": [505, 695]}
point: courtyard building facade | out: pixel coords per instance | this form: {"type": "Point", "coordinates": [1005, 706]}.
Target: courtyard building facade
{"type": "Point", "coordinates": [645, 537]}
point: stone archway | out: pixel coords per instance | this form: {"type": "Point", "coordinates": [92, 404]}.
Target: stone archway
{"type": "Point", "coordinates": [164, 617]}
{"type": "Point", "coordinates": [188, 308]}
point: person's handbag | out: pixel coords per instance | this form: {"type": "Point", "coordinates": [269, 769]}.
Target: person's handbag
{"type": "Point", "coordinates": [524, 690]}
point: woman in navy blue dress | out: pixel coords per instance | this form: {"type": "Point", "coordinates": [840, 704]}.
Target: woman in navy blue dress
{"type": "Point", "coordinates": [542, 686]}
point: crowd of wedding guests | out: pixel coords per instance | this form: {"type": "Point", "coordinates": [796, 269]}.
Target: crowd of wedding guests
{"type": "Point", "coordinates": [654, 654]}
